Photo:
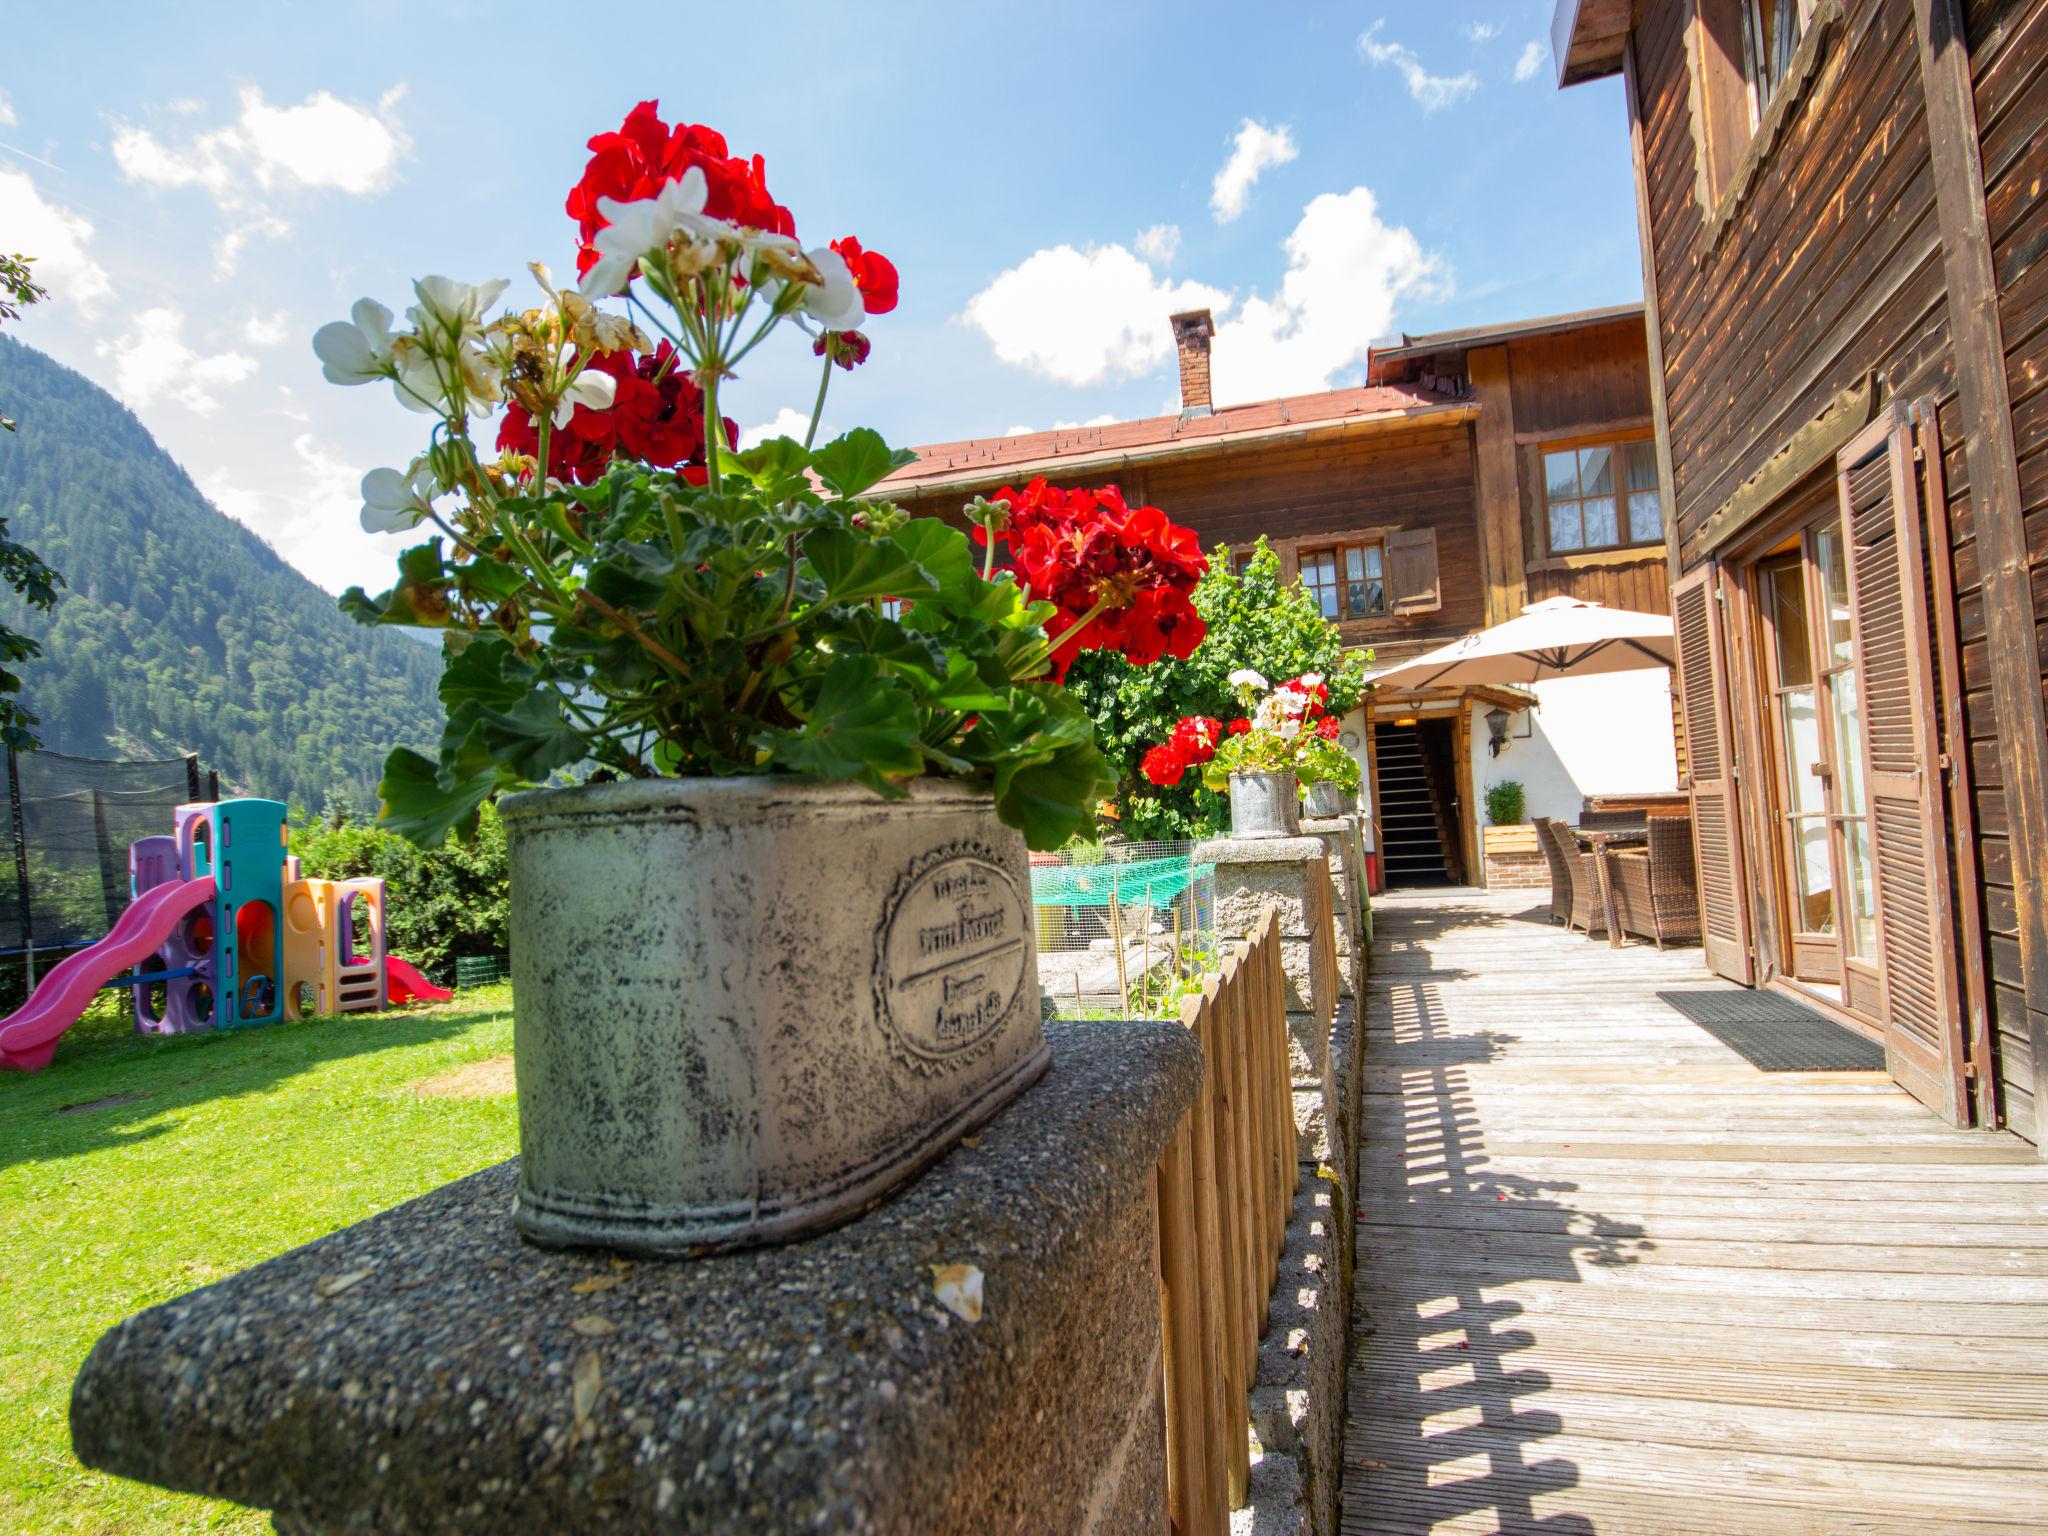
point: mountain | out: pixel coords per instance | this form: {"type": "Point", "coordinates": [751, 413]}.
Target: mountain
{"type": "Point", "coordinates": [180, 630]}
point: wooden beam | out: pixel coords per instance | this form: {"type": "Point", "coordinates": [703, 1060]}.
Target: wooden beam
{"type": "Point", "coordinates": [1499, 494]}
{"type": "Point", "coordinates": [1997, 511]}
{"type": "Point", "coordinates": [1811, 447]}
{"type": "Point", "coordinates": [1653, 329]}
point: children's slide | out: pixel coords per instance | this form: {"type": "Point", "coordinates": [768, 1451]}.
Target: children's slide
{"type": "Point", "coordinates": [404, 984]}
{"type": "Point", "coordinates": [28, 1036]}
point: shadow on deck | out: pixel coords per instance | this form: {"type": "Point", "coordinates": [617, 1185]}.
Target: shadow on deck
{"type": "Point", "coordinates": [1611, 1279]}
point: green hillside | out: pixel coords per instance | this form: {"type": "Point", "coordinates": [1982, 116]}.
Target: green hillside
{"type": "Point", "coordinates": [181, 630]}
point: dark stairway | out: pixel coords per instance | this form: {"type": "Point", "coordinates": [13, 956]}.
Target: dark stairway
{"type": "Point", "coordinates": [1412, 850]}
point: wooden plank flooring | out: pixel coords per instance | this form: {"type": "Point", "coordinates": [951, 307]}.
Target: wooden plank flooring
{"type": "Point", "coordinates": [1614, 1280]}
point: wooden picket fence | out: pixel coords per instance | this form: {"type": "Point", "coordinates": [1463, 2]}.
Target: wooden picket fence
{"type": "Point", "coordinates": [1225, 1187]}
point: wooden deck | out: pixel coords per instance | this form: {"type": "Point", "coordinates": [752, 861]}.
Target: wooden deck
{"type": "Point", "coordinates": [1613, 1279]}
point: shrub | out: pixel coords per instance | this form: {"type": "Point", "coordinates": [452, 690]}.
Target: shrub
{"type": "Point", "coordinates": [1506, 804]}
{"type": "Point", "coordinates": [438, 905]}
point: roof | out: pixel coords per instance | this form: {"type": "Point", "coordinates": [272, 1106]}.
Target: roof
{"type": "Point", "coordinates": [978, 460]}
{"type": "Point", "coordinates": [1489, 335]}
{"type": "Point", "coordinates": [1587, 39]}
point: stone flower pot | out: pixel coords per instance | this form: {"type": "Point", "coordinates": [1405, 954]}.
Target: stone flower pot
{"type": "Point", "coordinates": [1326, 798]}
{"type": "Point", "coordinates": [746, 1008]}
{"type": "Point", "coordinates": [1264, 805]}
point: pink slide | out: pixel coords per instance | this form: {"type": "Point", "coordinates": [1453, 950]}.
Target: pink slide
{"type": "Point", "coordinates": [404, 984]}
{"type": "Point", "coordinates": [28, 1036]}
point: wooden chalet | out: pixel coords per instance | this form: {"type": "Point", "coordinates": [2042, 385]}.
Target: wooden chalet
{"type": "Point", "coordinates": [1840, 204]}
{"type": "Point", "coordinates": [1473, 472]}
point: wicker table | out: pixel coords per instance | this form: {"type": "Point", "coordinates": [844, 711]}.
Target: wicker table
{"type": "Point", "coordinates": [1601, 841]}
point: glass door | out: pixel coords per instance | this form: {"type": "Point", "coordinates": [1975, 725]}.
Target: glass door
{"type": "Point", "coordinates": [1815, 717]}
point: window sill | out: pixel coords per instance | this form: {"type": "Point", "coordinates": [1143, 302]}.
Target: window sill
{"type": "Point", "coordinates": [1798, 85]}
{"type": "Point", "coordinates": [1594, 559]}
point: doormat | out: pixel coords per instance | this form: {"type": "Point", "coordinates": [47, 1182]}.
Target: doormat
{"type": "Point", "coordinates": [1775, 1033]}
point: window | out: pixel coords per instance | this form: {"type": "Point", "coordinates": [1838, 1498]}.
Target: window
{"type": "Point", "coordinates": [1602, 497]}
{"type": "Point", "coordinates": [1741, 58]}
{"type": "Point", "coordinates": [1348, 581]}
{"type": "Point", "coordinates": [1241, 556]}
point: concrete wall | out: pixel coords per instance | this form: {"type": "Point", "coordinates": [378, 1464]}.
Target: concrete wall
{"type": "Point", "coordinates": [1586, 736]}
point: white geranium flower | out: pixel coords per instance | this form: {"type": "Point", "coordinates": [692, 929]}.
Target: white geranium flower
{"type": "Point", "coordinates": [356, 350]}
{"type": "Point", "coordinates": [1289, 729]}
{"type": "Point", "coordinates": [1292, 700]}
{"type": "Point", "coordinates": [393, 502]}
{"type": "Point", "coordinates": [1245, 677]}
{"type": "Point", "coordinates": [1311, 679]}
{"type": "Point", "coordinates": [646, 225]}
{"type": "Point", "coordinates": [590, 387]}
{"type": "Point", "coordinates": [417, 383]}
{"type": "Point", "coordinates": [834, 302]}
{"type": "Point", "coordinates": [456, 309]}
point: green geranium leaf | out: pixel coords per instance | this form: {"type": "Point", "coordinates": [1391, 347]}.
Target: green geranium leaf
{"type": "Point", "coordinates": [1051, 796]}
{"type": "Point", "coordinates": [941, 549]}
{"type": "Point", "coordinates": [421, 805]}
{"type": "Point", "coordinates": [888, 641]}
{"type": "Point", "coordinates": [855, 567]}
{"type": "Point", "coordinates": [850, 464]}
{"type": "Point", "coordinates": [776, 467]}
{"type": "Point", "coordinates": [420, 599]}
{"type": "Point", "coordinates": [531, 739]}
{"type": "Point", "coordinates": [862, 726]}
{"type": "Point", "coordinates": [486, 672]}
{"type": "Point", "coordinates": [632, 575]}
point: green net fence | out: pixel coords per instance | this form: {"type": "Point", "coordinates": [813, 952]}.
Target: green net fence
{"type": "Point", "coordinates": [1122, 928]}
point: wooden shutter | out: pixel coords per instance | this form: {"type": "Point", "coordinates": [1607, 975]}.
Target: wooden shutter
{"type": "Point", "coordinates": [1412, 584]}
{"type": "Point", "coordinates": [1710, 756]}
{"type": "Point", "coordinates": [1878, 479]}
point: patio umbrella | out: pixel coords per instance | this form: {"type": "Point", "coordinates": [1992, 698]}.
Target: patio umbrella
{"type": "Point", "coordinates": [1562, 637]}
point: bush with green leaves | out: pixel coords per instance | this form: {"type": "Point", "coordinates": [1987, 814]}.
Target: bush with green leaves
{"type": "Point", "coordinates": [1506, 804]}
{"type": "Point", "coordinates": [1256, 621]}
{"type": "Point", "coordinates": [439, 903]}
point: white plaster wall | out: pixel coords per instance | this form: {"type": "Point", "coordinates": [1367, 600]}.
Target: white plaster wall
{"type": "Point", "coordinates": [1586, 736]}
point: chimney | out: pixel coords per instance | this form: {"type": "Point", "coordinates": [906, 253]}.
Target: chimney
{"type": "Point", "coordinates": [1191, 336]}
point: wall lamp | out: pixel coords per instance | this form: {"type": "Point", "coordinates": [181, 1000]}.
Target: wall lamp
{"type": "Point", "coordinates": [1497, 729]}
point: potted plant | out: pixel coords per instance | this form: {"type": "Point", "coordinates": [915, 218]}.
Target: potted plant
{"type": "Point", "coordinates": [778, 747]}
{"type": "Point", "coordinates": [1284, 741]}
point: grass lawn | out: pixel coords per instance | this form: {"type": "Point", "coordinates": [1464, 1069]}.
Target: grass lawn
{"type": "Point", "coordinates": [209, 1153]}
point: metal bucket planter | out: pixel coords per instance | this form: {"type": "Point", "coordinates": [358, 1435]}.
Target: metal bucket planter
{"type": "Point", "coordinates": [1264, 805]}
{"type": "Point", "coordinates": [746, 1008]}
{"type": "Point", "coordinates": [1326, 798]}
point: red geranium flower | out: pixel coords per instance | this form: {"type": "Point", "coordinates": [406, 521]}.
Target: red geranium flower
{"type": "Point", "coordinates": [1124, 574]}
{"type": "Point", "coordinates": [1328, 726]}
{"type": "Point", "coordinates": [1238, 727]}
{"type": "Point", "coordinates": [656, 415]}
{"type": "Point", "coordinates": [1164, 766]}
{"type": "Point", "coordinates": [873, 274]}
{"type": "Point", "coordinates": [1195, 738]}
{"type": "Point", "coordinates": [644, 154]}
{"type": "Point", "coordinates": [849, 350]}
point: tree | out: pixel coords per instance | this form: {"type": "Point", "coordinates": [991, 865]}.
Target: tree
{"type": "Point", "coordinates": [453, 901]}
{"type": "Point", "coordinates": [1255, 620]}
{"type": "Point", "coordinates": [20, 567]}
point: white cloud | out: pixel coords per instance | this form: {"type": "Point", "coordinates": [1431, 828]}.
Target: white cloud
{"type": "Point", "coordinates": [1530, 60]}
{"type": "Point", "coordinates": [1020, 431]}
{"type": "Point", "coordinates": [322, 144]}
{"type": "Point", "coordinates": [1481, 31]}
{"type": "Point", "coordinates": [1160, 244]}
{"type": "Point", "coordinates": [314, 524]}
{"type": "Point", "coordinates": [1255, 148]}
{"type": "Point", "coordinates": [1087, 318]}
{"type": "Point", "coordinates": [57, 238]}
{"type": "Point", "coordinates": [154, 362]}
{"type": "Point", "coordinates": [7, 117]}
{"type": "Point", "coordinates": [1083, 317]}
{"type": "Point", "coordinates": [1347, 272]}
{"type": "Point", "coordinates": [266, 330]}
{"type": "Point", "coordinates": [788, 422]}
{"type": "Point", "coordinates": [1433, 92]}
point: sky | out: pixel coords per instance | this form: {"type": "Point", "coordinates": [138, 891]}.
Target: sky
{"type": "Point", "coordinates": [1051, 181]}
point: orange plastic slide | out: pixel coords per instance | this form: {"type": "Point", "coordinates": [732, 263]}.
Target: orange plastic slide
{"type": "Point", "coordinates": [28, 1036]}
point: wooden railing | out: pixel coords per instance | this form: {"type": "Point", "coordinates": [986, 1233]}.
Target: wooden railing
{"type": "Point", "coordinates": [1225, 1187]}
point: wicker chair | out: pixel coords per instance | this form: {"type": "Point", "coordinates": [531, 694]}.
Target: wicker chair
{"type": "Point", "coordinates": [1560, 873]}
{"type": "Point", "coordinates": [1584, 877]}
{"type": "Point", "coordinates": [1656, 890]}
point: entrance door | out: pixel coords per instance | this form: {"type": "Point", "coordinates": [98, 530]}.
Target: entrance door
{"type": "Point", "coordinates": [1814, 722]}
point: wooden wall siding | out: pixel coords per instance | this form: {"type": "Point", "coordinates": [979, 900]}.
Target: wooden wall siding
{"type": "Point", "coordinates": [1834, 271]}
{"type": "Point", "coordinates": [1503, 547]}
{"type": "Point", "coordinates": [1643, 585]}
{"type": "Point", "coordinates": [1421, 479]}
{"type": "Point", "coordinates": [1580, 381]}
